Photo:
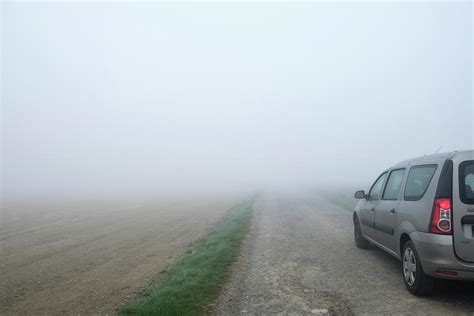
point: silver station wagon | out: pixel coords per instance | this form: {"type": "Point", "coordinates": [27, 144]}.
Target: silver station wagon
{"type": "Point", "coordinates": [421, 211]}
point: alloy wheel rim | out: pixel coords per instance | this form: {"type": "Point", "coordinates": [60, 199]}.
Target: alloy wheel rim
{"type": "Point", "coordinates": [409, 266]}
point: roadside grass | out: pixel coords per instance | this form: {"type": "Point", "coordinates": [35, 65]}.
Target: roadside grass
{"type": "Point", "coordinates": [195, 278]}
{"type": "Point", "coordinates": [344, 199]}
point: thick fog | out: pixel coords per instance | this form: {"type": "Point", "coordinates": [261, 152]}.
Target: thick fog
{"type": "Point", "coordinates": [150, 98]}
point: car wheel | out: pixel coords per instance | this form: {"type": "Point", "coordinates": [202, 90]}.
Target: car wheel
{"type": "Point", "coordinates": [416, 281]}
{"type": "Point", "coordinates": [360, 240]}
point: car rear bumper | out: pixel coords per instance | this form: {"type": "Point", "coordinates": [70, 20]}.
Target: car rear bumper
{"type": "Point", "coordinates": [438, 259]}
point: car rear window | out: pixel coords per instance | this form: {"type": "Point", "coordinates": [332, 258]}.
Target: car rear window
{"type": "Point", "coordinates": [466, 182]}
{"type": "Point", "coordinates": [418, 180]}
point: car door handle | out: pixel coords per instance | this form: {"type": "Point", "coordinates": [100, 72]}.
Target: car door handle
{"type": "Point", "coordinates": [392, 211]}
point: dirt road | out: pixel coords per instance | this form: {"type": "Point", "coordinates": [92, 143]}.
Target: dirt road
{"type": "Point", "coordinates": [300, 258]}
{"type": "Point", "coordinates": [70, 258]}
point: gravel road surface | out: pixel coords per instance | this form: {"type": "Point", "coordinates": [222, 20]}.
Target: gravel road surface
{"type": "Point", "coordinates": [300, 258]}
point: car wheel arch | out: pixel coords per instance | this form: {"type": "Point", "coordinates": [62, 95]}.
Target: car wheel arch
{"type": "Point", "coordinates": [405, 229]}
{"type": "Point", "coordinates": [404, 237]}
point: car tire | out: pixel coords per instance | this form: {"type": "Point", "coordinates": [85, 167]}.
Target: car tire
{"type": "Point", "coordinates": [359, 239]}
{"type": "Point", "coordinates": [416, 281]}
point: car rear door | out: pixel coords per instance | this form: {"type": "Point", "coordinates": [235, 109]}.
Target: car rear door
{"type": "Point", "coordinates": [463, 205]}
{"type": "Point", "coordinates": [385, 211]}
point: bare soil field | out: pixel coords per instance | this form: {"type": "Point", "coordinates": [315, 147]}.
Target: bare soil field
{"type": "Point", "coordinates": [90, 258]}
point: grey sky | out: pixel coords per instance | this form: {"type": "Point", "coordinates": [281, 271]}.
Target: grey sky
{"type": "Point", "coordinates": [160, 97]}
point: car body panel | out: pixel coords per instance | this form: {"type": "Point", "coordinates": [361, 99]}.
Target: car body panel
{"type": "Point", "coordinates": [366, 216]}
{"type": "Point", "coordinates": [437, 252]}
{"type": "Point", "coordinates": [385, 223]}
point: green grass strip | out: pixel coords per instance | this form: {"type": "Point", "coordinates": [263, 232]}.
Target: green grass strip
{"type": "Point", "coordinates": [195, 278]}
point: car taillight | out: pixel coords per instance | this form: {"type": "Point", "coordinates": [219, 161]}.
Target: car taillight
{"type": "Point", "coordinates": [441, 217]}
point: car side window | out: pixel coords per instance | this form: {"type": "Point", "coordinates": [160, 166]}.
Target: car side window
{"type": "Point", "coordinates": [418, 180]}
{"type": "Point", "coordinates": [376, 190]}
{"type": "Point", "coordinates": [466, 181]}
{"type": "Point", "coordinates": [394, 182]}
